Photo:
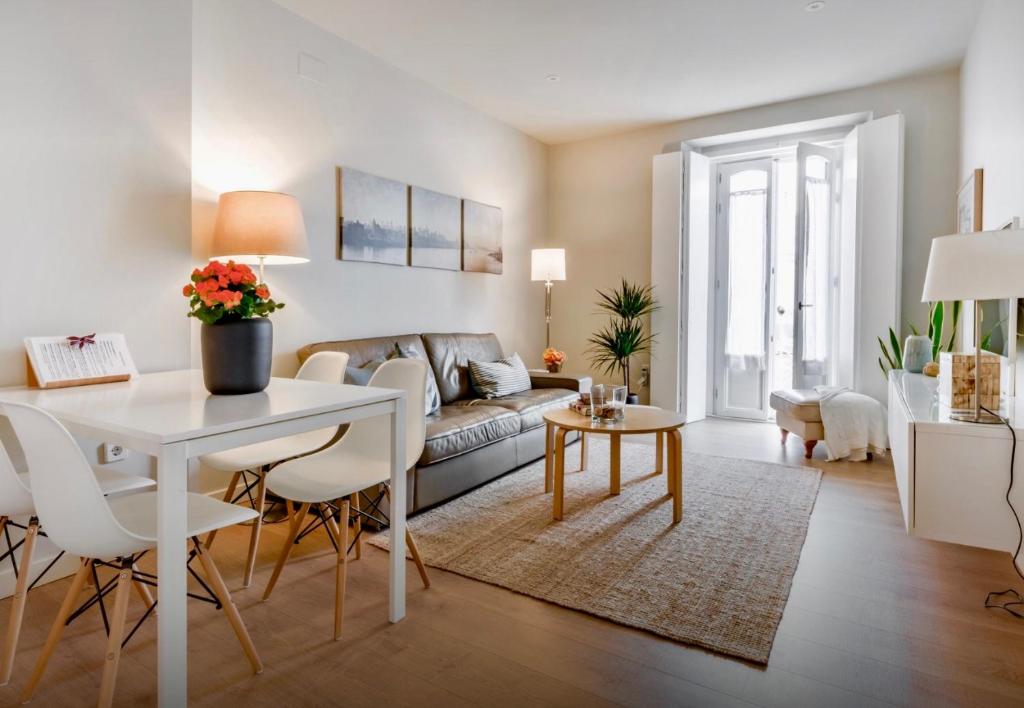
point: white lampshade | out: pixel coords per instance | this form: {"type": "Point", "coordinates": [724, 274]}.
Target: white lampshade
{"type": "Point", "coordinates": [547, 264]}
{"type": "Point", "coordinates": [987, 265]}
{"type": "Point", "coordinates": [251, 226]}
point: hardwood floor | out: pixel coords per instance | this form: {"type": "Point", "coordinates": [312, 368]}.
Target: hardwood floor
{"type": "Point", "coordinates": [874, 618]}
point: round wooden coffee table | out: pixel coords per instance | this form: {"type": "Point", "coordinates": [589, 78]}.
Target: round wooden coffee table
{"type": "Point", "coordinates": [639, 420]}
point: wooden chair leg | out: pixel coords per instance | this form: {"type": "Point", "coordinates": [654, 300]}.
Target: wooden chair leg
{"type": "Point", "coordinates": [57, 630]}
{"type": "Point", "coordinates": [228, 496]}
{"type": "Point", "coordinates": [357, 524]}
{"type": "Point", "coordinates": [414, 551]}
{"type": "Point", "coordinates": [584, 448]}
{"type": "Point", "coordinates": [116, 636]}
{"type": "Point", "coordinates": [142, 589]}
{"type": "Point", "coordinates": [785, 434]}
{"type": "Point", "coordinates": [659, 453]}
{"type": "Point", "coordinates": [341, 571]}
{"type": "Point", "coordinates": [220, 589]}
{"type": "Point", "coordinates": [289, 542]}
{"type": "Point", "coordinates": [18, 604]}
{"type": "Point", "coordinates": [809, 448]}
{"type": "Point", "coordinates": [257, 526]}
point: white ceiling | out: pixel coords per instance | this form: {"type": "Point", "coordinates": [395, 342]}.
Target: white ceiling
{"type": "Point", "coordinates": [628, 63]}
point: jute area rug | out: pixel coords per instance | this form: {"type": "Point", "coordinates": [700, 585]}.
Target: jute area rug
{"type": "Point", "coordinates": [719, 579]}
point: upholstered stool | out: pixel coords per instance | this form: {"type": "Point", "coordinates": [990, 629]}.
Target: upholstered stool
{"type": "Point", "coordinates": [798, 411]}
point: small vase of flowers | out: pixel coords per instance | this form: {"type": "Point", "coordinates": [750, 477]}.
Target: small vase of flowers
{"type": "Point", "coordinates": [553, 360]}
{"type": "Point", "coordinates": [237, 336]}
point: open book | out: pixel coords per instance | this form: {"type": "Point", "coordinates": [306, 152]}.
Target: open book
{"type": "Point", "coordinates": [58, 362]}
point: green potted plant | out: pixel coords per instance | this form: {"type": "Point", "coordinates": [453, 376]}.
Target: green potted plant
{"type": "Point", "coordinates": [237, 336]}
{"type": "Point", "coordinates": [613, 346]}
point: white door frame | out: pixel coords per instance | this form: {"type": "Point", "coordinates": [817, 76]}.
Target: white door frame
{"type": "Point", "coordinates": [721, 283]}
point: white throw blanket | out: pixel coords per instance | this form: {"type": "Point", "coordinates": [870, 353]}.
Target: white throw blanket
{"type": "Point", "coordinates": [855, 424]}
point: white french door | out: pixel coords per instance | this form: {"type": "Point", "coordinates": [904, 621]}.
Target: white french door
{"type": "Point", "coordinates": [813, 301]}
{"type": "Point", "coordinates": [743, 287]}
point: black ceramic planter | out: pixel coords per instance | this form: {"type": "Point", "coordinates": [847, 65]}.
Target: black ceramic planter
{"type": "Point", "coordinates": [633, 399]}
{"type": "Point", "coordinates": [237, 356]}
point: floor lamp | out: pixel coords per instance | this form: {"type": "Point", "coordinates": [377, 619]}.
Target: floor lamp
{"type": "Point", "coordinates": [547, 264]}
{"type": "Point", "coordinates": [988, 265]}
{"type": "Point", "coordinates": [259, 228]}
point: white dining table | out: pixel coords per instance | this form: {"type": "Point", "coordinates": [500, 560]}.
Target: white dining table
{"type": "Point", "coordinates": [170, 416]}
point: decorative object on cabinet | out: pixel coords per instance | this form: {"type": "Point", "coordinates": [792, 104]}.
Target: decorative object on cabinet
{"type": "Point", "coordinates": [481, 238]}
{"type": "Point", "coordinates": [969, 200]}
{"type": "Point", "coordinates": [82, 360]}
{"type": "Point", "coordinates": [259, 228]}
{"type": "Point", "coordinates": [957, 380]}
{"type": "Point", "coordinates": [435, 230]}
{"type": "Point", "coordinates": [981, 266]}
{"type": "Point", "coordinates": [917, 351]}
{"type": "Point", "coordinates": [373, 218]}
{"type": "Point", "coordinates": [547, 264]}
{"type": "Point", "coordinates": [237, 337]}
{"type": "Point", "coordinates": [553, 360]}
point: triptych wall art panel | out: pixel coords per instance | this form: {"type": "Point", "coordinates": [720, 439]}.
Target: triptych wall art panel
{"type": "Point", "coordinates": [384, 221]}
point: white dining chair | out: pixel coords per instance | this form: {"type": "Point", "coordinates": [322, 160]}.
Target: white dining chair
{"type": "Point", "coordinates": [16, 502]}
{"type": "Point", "coordinates": [328, 479]}
{"type": "Point", "coordinates": [79, 519]}
{"type": "Point", "coordinates": [251, 464]}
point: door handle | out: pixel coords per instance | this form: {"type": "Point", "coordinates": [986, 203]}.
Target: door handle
{"type": "Point", "coordinates": [803, 306]}
{"type": "Point", "coordinates": [781, 310]}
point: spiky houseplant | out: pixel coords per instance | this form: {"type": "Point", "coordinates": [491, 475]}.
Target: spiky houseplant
{"type": "Point", "coordinates": [613, 346]}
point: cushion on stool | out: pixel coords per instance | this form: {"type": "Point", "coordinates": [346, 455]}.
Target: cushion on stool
{"type": "Point", "coordinates": [799, 404]}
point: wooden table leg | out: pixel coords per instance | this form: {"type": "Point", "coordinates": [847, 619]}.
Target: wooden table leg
{"type": "Point", "coordinates": [549, 453]}
{"type": "Point", "coordinates": [615, 485]}
{"type": "Point", "coordinates": [584, 445]}
{"type": "Point", "coordinates": [659, 453]}
{"type": "Point", "coordinates": [670, 478]}
{"type": "Point", "coordinates": [676, 441]}
{"type": "Point", "coordinates": [559, 475]}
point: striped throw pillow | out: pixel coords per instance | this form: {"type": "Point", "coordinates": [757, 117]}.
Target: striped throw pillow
{"type": "Point", "coordinates": [499, 378]}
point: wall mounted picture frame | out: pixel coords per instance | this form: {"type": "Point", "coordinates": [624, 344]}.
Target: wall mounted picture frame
{"type": "Point", "coordinates": [969, 200]}
{"type": "Point", "coordinates": [481, 238]}
{"type": "Point", "coordinates": [435, 229]}
{"type": "Point", "coordinates": [373, 218]}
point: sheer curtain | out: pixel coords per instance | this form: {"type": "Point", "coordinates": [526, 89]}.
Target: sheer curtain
{"type": "Point", "coordinates": [814, 323]}
{"type": "Point", "coordinates": [745, 336]}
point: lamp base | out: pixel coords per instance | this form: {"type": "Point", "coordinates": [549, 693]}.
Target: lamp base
{"type": "Point", "coordinates": [970, 417]}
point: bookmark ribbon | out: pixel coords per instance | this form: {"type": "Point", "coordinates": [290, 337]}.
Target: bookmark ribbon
{"type": "Point", "coordinates": [83, 340]}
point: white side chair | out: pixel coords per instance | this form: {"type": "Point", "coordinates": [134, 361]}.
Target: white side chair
{"type": "Point", "coordinates": [257, 460]}
{"type": "Point", "coordinates": [16, 502]}
{"type": "Point", "coordinates": [80, 520]}
{"type": "Point", "coordinates": [328, 479]}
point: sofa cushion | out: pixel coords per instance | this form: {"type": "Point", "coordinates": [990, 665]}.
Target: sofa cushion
{"type": "Point", "coordinates": [454, 430]}
{"type": "Point", "coordinates": [798, 403]}
{"type": "Point", "coordinates": [449, 356]}
{"type": "Point", "coordinates": [531, 405]}
{"type": "Point", "coordinates": [494, 379]}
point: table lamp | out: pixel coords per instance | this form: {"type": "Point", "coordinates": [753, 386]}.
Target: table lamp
{"type": "Point", "coordinates": [547, 264]}
{"type": "Point", "coordinates": [259, 228]}
{"type": "Point", "coordinates": [987, 265]}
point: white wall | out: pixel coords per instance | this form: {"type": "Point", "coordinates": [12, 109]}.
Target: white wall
{"type": "Point", "coordinates": [94, 139]}
{"type": "Point", "coordinates": [992, 110]}
{"type": "Point", "coordinates": [258, 125]}
{"type": "Point", "coordinates": [600, 191]}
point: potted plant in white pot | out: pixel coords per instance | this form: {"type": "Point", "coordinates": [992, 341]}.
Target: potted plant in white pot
{"type": "Point", "coordinates": [612, 347]}
{"type": "Point", "coordinates": [237, 336]}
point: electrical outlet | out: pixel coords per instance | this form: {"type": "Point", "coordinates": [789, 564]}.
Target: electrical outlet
{"type": "Point", "coordinates": [112, 452]}
{"type": "Point", "coordinates": [645, 376]}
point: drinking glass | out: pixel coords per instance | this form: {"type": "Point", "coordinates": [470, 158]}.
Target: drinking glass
{"type": "Point", "coordinates": [597, 399]}
{"type": "Point", "coordinates": [619, 402]}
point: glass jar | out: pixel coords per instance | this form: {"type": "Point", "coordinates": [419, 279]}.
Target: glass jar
{"type": "Point", "coordinates": [597, 402]}
{"type": "Point", "coordinates": [618, 403]}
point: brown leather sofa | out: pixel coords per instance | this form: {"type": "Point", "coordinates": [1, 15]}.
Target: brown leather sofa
{"type": "Point", "coordinates": [469, 440]}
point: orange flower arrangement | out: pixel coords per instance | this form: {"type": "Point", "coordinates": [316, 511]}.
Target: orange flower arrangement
{"type": "Point", "coordinates": [223, 292]}
{"type": "Point", "coordinates": [553, 359]}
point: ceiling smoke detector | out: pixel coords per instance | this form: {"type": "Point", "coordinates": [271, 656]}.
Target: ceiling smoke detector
{"type": "Point", "coordinates": [553, 78]}
{"type": "Point", "coordinates": [815, 6]}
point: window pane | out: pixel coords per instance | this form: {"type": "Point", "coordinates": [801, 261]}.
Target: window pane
{"type": "Point", "coordinates": [748, 180]}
